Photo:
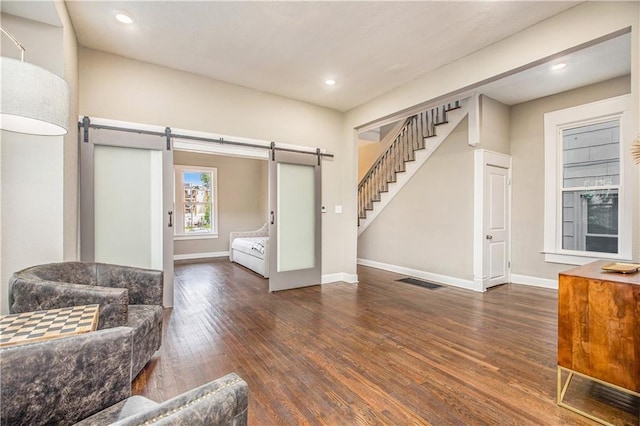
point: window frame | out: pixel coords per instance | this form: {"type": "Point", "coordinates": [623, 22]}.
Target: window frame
{"type": "Point", "coordinates": [179, 202]}
{"type": "Point", "coordinates": [555, 122]}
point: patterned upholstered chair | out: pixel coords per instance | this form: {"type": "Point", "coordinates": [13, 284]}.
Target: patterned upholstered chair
{"type": "Point", "coordinates": [87, 379]}
{"type": "Point", "coordinates": [129, 297]}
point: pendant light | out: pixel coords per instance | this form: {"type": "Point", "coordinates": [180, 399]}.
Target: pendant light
{"type": "Point", "coordinates": [32, 100]}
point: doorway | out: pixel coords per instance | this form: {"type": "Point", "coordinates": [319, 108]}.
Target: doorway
{"type": "Point", "coordinates": [294, 205]}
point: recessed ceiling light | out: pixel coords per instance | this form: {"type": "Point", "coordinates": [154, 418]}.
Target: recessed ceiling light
{"type": "Point", "coordinates": [124, 18]}
{"type": "Point", "coordinates": [559, 66]}
{"type": "Point", "coordinates": [329, 82]}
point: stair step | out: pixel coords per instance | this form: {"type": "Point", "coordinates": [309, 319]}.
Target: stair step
{"type": "Point", "coordinates": [403, 151]}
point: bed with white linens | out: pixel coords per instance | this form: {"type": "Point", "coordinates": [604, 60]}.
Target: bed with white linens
{"type": "Point", "coordinates": [251, 250]}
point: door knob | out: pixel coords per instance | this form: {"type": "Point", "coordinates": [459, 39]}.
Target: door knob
{"type": "Point", "coordinates": [489, 237]}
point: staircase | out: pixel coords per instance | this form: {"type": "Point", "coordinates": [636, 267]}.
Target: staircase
{"type": "Point", "coordinates": [415, 142]}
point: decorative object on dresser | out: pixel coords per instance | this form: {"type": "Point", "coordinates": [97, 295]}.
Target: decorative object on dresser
{"type": "Point", "coordinates": [251, 249]}
{"type": "Point", "coordinates": [598, 330]}
{"type": "Point", "coordinates": [128, 296]}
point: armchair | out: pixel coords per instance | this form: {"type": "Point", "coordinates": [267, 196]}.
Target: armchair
{"type": "Point", "coordinates": [128, 296]}
{"type": "Point", "coordinates": [86, 379]}
{"type": "Point", "coordinates": [65, 380]}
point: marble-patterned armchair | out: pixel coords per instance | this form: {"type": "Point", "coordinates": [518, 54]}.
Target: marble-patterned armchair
{"type": "Point", "coordinates": [128, 296]}
{"type": "Point", "coordinates": [65, 380]}
{"type": "Point", "coordinates": [224, 401]}
{"type": "Point", "coordinates": [87, 379]}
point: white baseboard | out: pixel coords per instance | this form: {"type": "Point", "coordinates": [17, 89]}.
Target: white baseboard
{"type": "Point", "coordinates": [534, 281]}
{"type": "Point", "coordinates": [340, 276]}
{"type": "Point", "coordinates": [430, 276]}
{"type": "Point", "coordinates": [190, 256]}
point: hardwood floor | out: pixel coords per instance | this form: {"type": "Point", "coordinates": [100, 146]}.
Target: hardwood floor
{"type": "Point", "coordinates": [379, 352]}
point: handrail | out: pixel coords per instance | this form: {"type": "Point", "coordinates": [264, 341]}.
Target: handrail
{"type": "Point", "coordinates": [407, 139]}
{"type": "Point", "coordinates": [382, 154]}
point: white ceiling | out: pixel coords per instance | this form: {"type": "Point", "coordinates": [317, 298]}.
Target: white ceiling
{"type": "Point", "coordinates": [40, 11]}
{"type": "Point", "coordinates": [289, 48]}
{"type": "Point", "coordinates": [600, 62]}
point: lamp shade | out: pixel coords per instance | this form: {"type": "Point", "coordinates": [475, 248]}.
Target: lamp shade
{"type": "Point", "coordinates": [32, 100]}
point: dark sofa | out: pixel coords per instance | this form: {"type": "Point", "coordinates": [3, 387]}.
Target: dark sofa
{"type": "Point", "coordinates": [87, 379]}
{"type": "Point", "coordinates": [128, 296]}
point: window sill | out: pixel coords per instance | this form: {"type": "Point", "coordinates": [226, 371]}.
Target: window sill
{"type": "Point", "coordinates": [194, 237]}
{"type": "Point", "coordinates": [578, 259]}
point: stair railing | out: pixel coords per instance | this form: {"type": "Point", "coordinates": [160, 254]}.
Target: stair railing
{"type": "Point", "coordinates": [410, 138]}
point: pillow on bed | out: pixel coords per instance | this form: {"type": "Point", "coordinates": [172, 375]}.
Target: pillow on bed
{"type": "Point", "coordinates": [259, 246]}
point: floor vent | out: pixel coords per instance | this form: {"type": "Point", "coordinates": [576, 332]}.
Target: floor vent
{"type": "Point", "coordinates": [425, 284]}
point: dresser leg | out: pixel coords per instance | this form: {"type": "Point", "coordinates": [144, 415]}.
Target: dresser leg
{"type": "Point", "coordinates": [562, 390]}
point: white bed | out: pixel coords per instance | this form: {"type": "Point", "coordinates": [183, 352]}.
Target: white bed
{"type": "Point", "coordinates": [251, 249]}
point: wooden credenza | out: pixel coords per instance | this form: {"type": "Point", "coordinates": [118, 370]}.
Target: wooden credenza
{"type": "Point", "coordinates": [599, 327]}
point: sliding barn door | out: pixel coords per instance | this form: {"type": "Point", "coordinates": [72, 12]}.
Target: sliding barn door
{"type": "Point", "coordinates": [295, 230]}
{"type": "Point", "coordinates": [126, 196]}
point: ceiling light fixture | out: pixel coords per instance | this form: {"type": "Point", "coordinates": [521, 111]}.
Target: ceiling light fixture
{"type": "Point", "coordinates": [559, 66]}
{"type": "Point", "coordinates": [34, 100]}
{"type": "Point", "coordinates": [330, 82]}
{"type": "Point", "coordinates": [124, 18]}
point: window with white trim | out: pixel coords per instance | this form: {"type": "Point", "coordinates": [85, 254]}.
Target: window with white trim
{"type": "Point", "coordinates": [586, 188]}
{"type": "Point", "coordinates": [196, 202]}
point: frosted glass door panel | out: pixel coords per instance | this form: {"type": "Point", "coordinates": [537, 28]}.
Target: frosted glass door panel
{"type": "Point", "coordinates": [296, 217]}
{"type": "Point", "coordinates": [128, 206]}
{"type": "Point", "coordinates": [295, 229]}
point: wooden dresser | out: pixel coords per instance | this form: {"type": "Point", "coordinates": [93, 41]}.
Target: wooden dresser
{"type": "Point", "coordinates": [599, 327]}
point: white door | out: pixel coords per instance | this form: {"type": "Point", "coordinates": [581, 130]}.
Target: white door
{"type": "Point", "coordinates": [126, 199]}
{"type": "Point", "coordinates": [496, 225]}
{"type": "Point", "coordinates": [294, 230]}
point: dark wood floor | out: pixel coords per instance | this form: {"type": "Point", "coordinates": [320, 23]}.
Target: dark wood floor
{"type": "Point", "coordinates": [379, 352]}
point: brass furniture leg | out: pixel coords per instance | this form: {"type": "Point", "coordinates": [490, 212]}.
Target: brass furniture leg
{"type": "Point", "coordinates": [562, 390]}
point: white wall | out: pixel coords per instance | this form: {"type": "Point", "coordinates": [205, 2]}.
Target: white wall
{"type": "Point", "coordinates": [32, 167]}
{"type": "Point", "coordinates": [494, 125]}
{"type": "Point", "coordinates": [31, 203]}
{"type": "Point", "coordinates": [428, 226]}
{"type": "Point", "coordinates": [527, 149]}
{"type": "Point", "coordinates": [574, 27]}
{"type": "Point", "coordinates": [118, 88]}
{"type": "Point", "coordinates": [42, 42]}
{"type": "Point", "coordinates": [70, 146]}
{"type": "Point", "coordinates": [128, 90]}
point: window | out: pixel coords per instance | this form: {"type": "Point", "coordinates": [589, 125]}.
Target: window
{"type": "Point", "coordinates": [196, 202]}
{"type": "Point", "coordinates": [585, 184]}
